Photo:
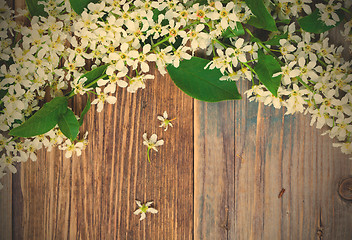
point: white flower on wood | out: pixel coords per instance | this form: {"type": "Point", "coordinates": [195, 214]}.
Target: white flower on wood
{"type": "Point", "coordinates": [143, 209]}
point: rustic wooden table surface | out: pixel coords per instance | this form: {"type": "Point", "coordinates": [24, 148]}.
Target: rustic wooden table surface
{"type": "Point", "coordinates": [218, 175]}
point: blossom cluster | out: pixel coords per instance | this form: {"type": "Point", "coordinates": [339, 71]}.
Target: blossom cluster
{"type": "Point", "coordinates": [48, 57]}
{"type": "Point", "coordinates": [315, 78]}
{"type": "Point", "coordinates": [54, 52]}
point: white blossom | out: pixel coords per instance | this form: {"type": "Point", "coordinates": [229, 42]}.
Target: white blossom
{"type": "Point", "coordinates": [102, 97]}
{"type": "Point", "coordinates": [152, 143]}
{"type": "Point", "coordinates": [143, 209]}
{"type": "Point", "coordinates": [165, 122]}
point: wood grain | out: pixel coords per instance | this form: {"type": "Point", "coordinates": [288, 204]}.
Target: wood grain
{"type": "Point", "coordinates": [93, 196]}
{"type": "Point", "coordinates": [244, 155]}
{"type": "Point", "coordinates": [278, 152]}
{"type": "Point", "coordinates": [272, 151]}
{"type": "Point", "coordinates": [214, 170]}
{"type": "Point", "coordinates": [6, 208]}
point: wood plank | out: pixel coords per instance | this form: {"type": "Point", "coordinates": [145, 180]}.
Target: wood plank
{"type": "Point", "coordinates": [272, 151]}
{"type": "Point", "coordinates": [214, 170]}
{"type": "Point", "coordinates": [93, 196]}
{"type": "Point", "coordinates": [276, 152]}
{"type": "Point", "coordinates": [6, 208]}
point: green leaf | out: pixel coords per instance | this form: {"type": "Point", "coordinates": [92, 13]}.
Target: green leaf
{"type": "Point", "coordinates": [156, 14]}
{"type": "Point", "coordinates": [229, 32]}
{"type": "Point", "coordinates": [177, 43]}
{"type": "Point", "coordinates": [84, 112]}
{"type": "Point", "coordinates": [43, 120]}
{"type": "Point", "coordinates": [94, 74]}
{"type": "Point", "coordinates": [17, 121]}
{"type": "Point", "coordinates": [284, 21]}
{"type": "Point", "coordinates": [35, 9]}
{"type": "Point", "coordinates": [265, 68]}
{"type": "Point", "coordinates": [254, 39]}
{"type": "Point", "coordinates": [313, 24]}
{"type": "Point", "coordinates": [91, 76]}
{"type": "Point", "coordinates": [69, 124]}
{"type": "Point", "coordinates": [276, 39]}
{"type": "Point", "coordinates": [262, 18]}
{"type": "Point", "coordinates": [201, 2]}
{"type": "Point", "coordinates": [2, 93]}
{"type": "Point", "coordinates": [79, 5]}
{"type": "Point", "coordinates": [200, 83]}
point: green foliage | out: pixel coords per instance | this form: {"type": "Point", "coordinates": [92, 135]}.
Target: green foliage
{"type": "Point", "coordinates": [254, 39]}
{"type": "Point", "coordinates": [94, 74]}
{"type": "Point", "coordinates": [178, 42]}
{"type": "Point", "coordinates": [201, 2]}
{"type": "Point", "coordinates": [43, 120]}
{"type": "Point", "coordinates": [35, 9]}
{"type": "Point", "coordinates": [69, 124]}
{"type": "Point", "coordinates": [79, 5]}
{"type": "Point", "coordinates": [275, 40]}
{"type": "Point", "coordinates": [313, 24]}
{"type": "Point", "coordinates": [229, 32]}
{"type": "Point", "coordinates": [204, 2]}
{"type": "Point", "coordinates": [284, 21]}
{"type": "Point", "coordinates": [262, 18]}
{"type": "Point", "coordinates": [85, 110]}
{"type": "Point", "coordinates": [156, 14]}
{"type": "Point", "coordinates": [265, 68]}
{"type": "Point", "coordinates": [3, 92]}
{"type": "Point", "coordinates": [200, 83]}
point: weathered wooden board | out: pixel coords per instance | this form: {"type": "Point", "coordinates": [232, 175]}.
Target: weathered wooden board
{"type": "Point", "coordinates": [6, 208]}
{"type": "Point", "coordinates": [93, 196]}
{"type": "Point", "coordinates": [272, 152]}
{"type": "Point", "coordinates": [214, 170]}
{"type": "Point", "coordinates": [244, 155]}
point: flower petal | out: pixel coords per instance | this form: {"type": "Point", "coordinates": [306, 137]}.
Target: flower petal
{"type": "Point", "coordinates": [153, 138]}
{"type": "Point", "coordinates": [152, 210]}
{"type": "Point", "coordinates": [146, 139]}
{"type": "Point", "coordinates": [138, 211]}
{"type": "Point", "coordinates": [239, 43]}
{"type": "Point", "coordinates": [142, 216]}
{"type": "Point", "coordinates": [159, 143]}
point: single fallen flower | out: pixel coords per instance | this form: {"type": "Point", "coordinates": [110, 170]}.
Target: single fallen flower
{"type": "Point", "coordinates": [143, 209]}
{"type": "Point", "coordinates": [152, 143]}
{"type": "Point", "coordinates": [165, 122]}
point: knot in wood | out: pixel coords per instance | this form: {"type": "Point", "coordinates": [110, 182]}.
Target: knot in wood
{"type": "Point", "coordinates": [345, 189]}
